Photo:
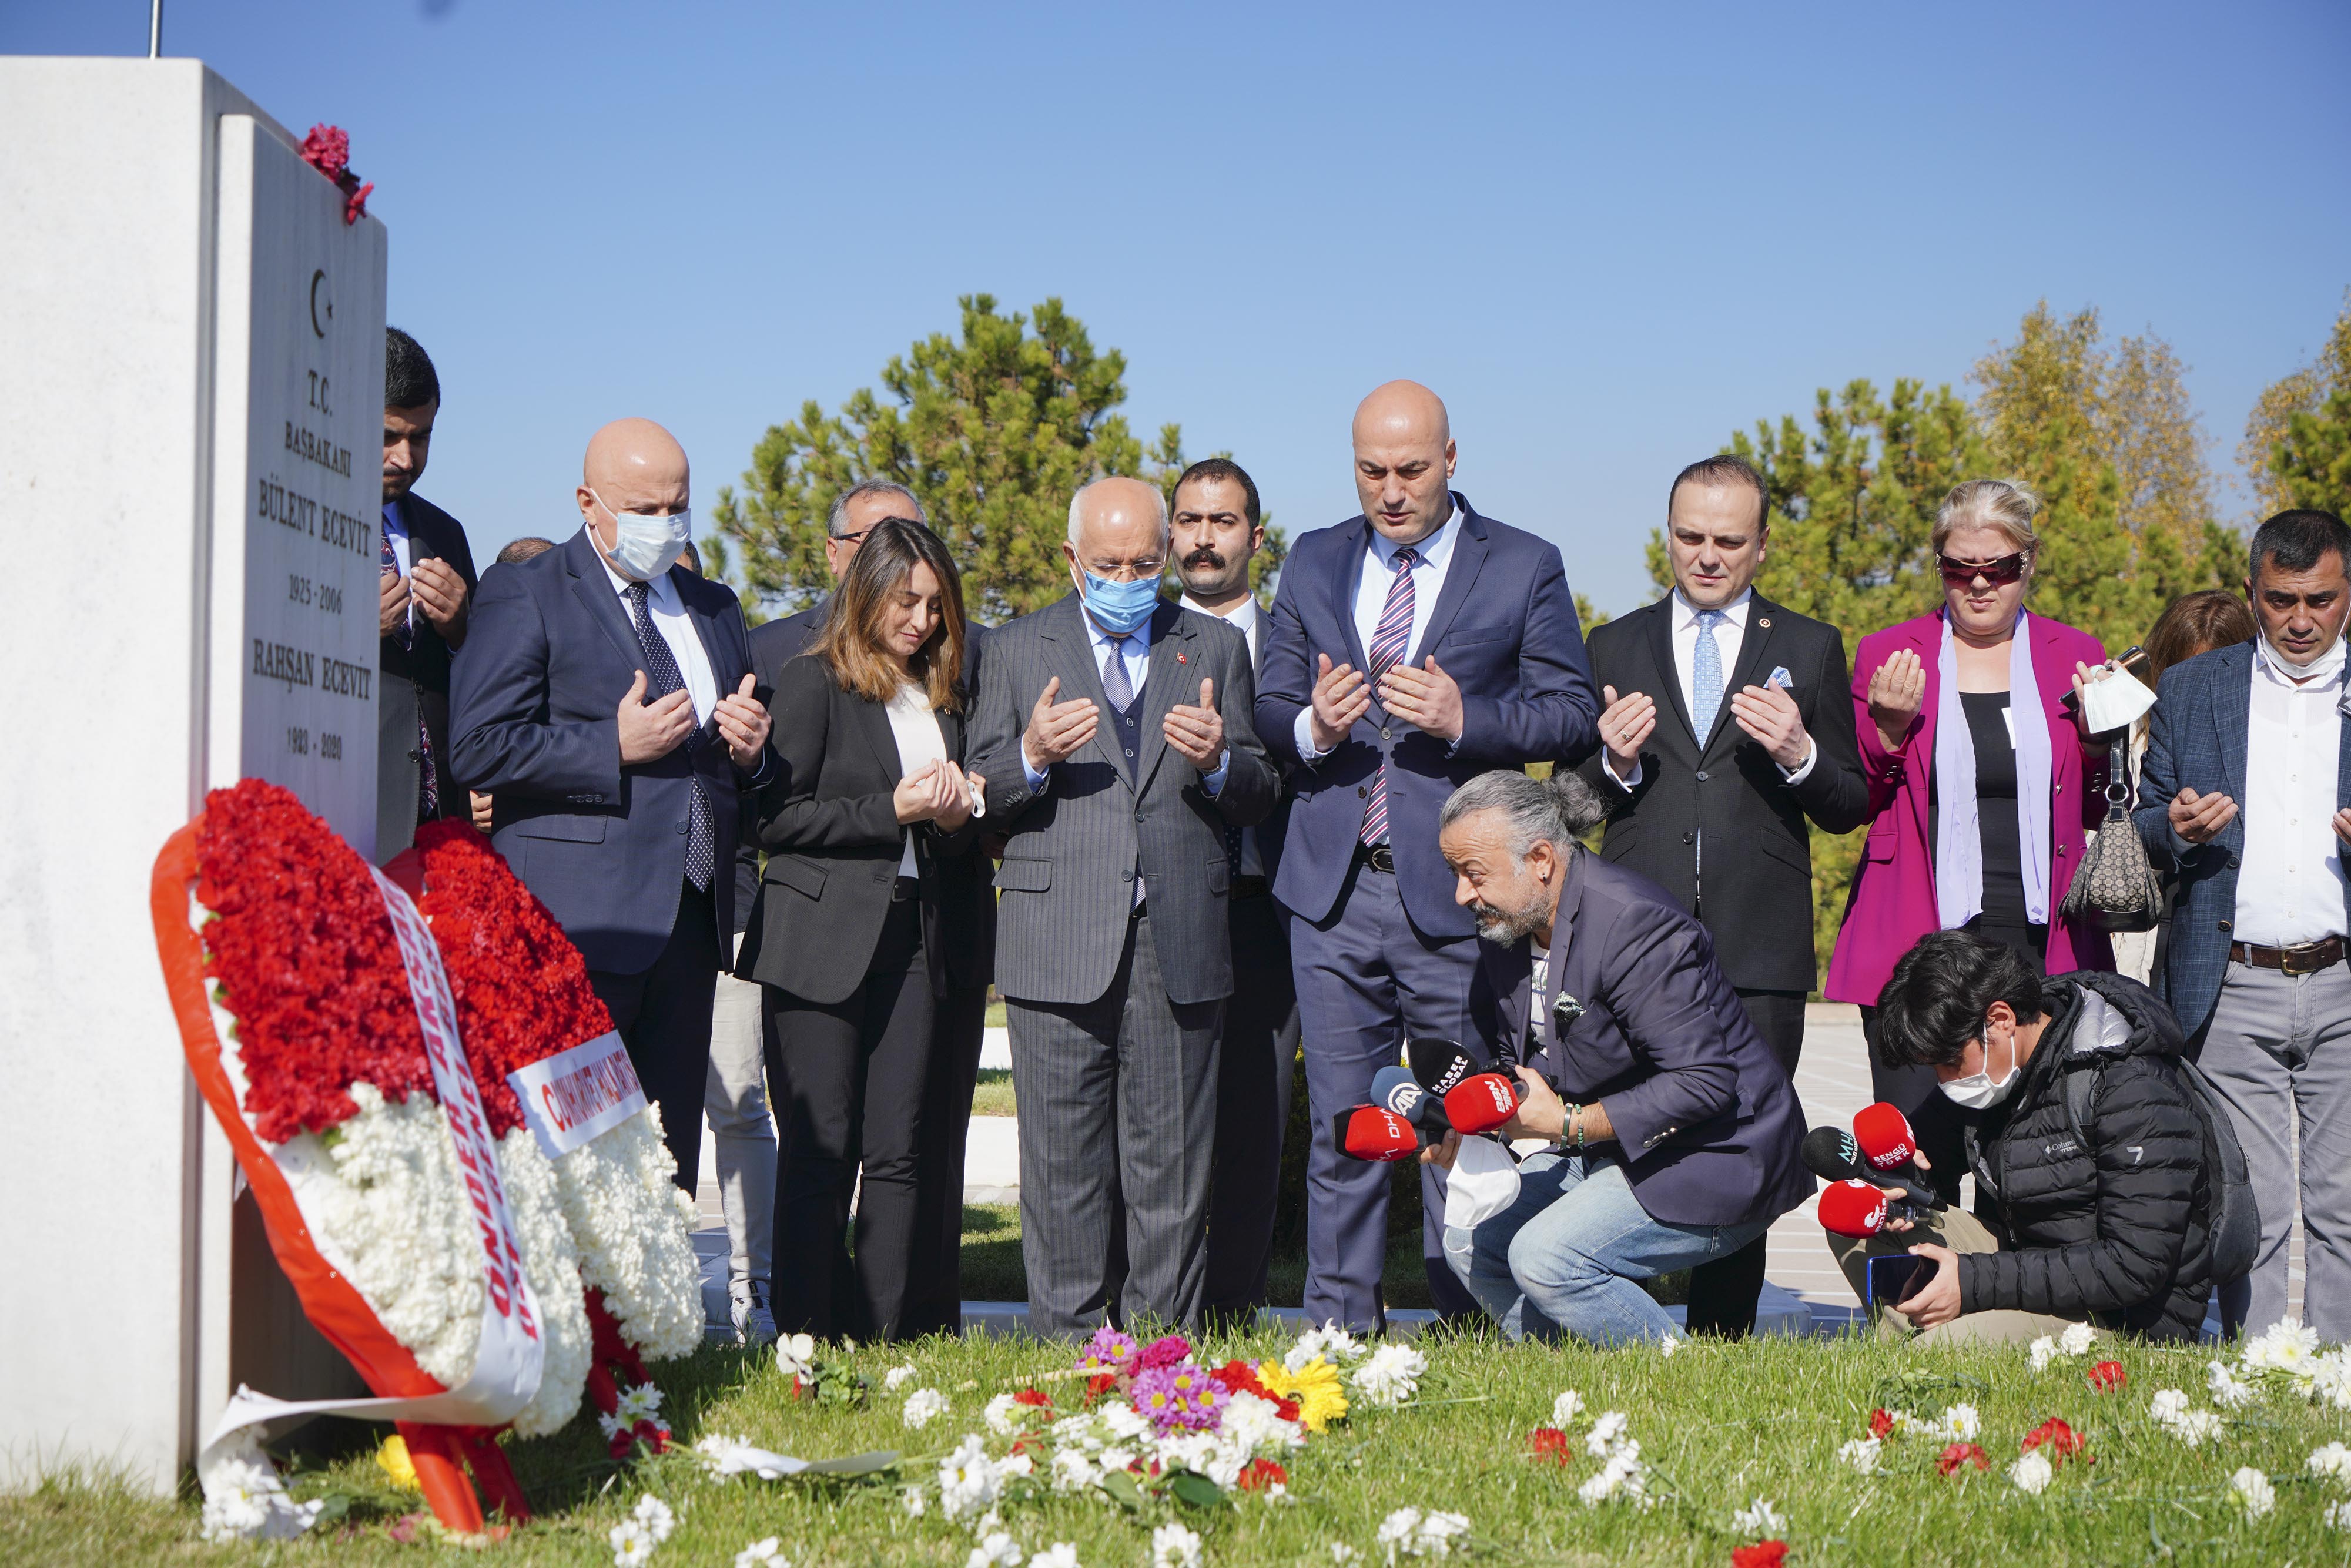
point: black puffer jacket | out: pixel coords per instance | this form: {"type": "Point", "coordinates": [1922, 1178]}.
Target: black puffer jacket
{"type": "Point", "coordinates": [2116, 1232]}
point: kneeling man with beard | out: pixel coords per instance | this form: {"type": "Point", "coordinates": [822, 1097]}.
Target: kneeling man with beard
{"type": "Point", "coordinates": [1674, 1132]}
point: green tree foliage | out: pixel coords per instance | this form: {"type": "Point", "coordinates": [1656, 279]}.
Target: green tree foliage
{"type": "Point", "coordinates": [2298, 441]}
{"type": "Point", "coordinates": [994, 429]}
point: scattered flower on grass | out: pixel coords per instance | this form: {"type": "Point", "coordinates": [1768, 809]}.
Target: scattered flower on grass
{"type": "Point", "coordinates": [1331, 1343]}
{"type": "Point", "coordinates": [923, 1406]}
{"type": "Point", "coordinates": [1624, 1476]}
{"type": "Point", "coordinates": [1566, 1407]}
{"type": "Point", "coordinates": [1761, 1554]}
{"type": "Point", "coordinates": [995, 1549]}
{"type": "Point", "coordinates": [2042, 1350]}
{"type": "Point", "coordinates": [895, 1376]}
{"type": "Point", "coordinates": [398, 1467]}
{"type": "Point", "coordinates": [1390, 1376]}
{"type": "Point", "coordinates": [1415, 1534]}
{"type": "Point", "coordinates": [1959, 1423]}
{"type": "Point", "coordinates": [1109, 1350]}
{"type": "Point", "coordinates": [1173, 1546]}
{"type": "Point", "coordinates": [1667, 1345]}
{"type": "Point", "coordinates": [2250, 1490]}
{"type": "Point", "coordinates": [2108, 1377]}
{"type": "Point", "coordinates": [2333, 1462]}
{"type": "Point", "coordinates": [1262, 1474]}
{"type": "Point", "coordinates": [2337, 1516]}
{"type": "Point", "coordinates": [1606, 1434]}
{"type": "Point", "coordinates": [1169, 1350]}
{"type": "Point", "coordinates": [1060, 1555]}
{"type": "Point", "coordinates": [1549, 1443]}
{"type": "Point", "coordinates": [1759, 1518]}
{"type": "Point", "coordinates": [2284, 1346]}
{"type": "Point", "coordinates": [2056, 1438]}
{"type": "Point", "coordinates": [2076, 1339]}
{"type": "Point", "coordinates": [1957, 1454]}
{"type": "Point", "coordinates": [2229, 1391]}
{"type": "Point", "coordinates": [1862, 1454]}
{"type": "Point", "coordinates": [1341, 1552]}
{"type": "Point", "coordinates": [656, 1517]}
{"type": "Point", "coordinates": [762, 1555]}
{"type": "Point", "coordinates": [632, 1544]}
{"type": "Point", "coordinates": [2032, 1472]}
{"type": "Point", "coordinates": [1881, 1422]}
{"type": "Point", "coordinates": [916, 1503]}
{"type": "Point", "coordinates": [2170, 1410]}
{"type": "Point", "coordinates": [1314, 1384]}
{"type": "Point", "coordinates": [796, 1358]}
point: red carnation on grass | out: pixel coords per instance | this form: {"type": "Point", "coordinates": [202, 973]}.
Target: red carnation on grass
{"type": "Point", "coordinates": [520, 987]}
{"type": "Point", "coordinates": [305, 958]}
{"type": "Point", "coordinates": [1959, 1454]}
{"type": "Point", "coordinates": [1164, 1351]}
{"type": "Point", "coordinates": [1549, 1443]}
{"type": "Point", "coordinates": [1036, 1396]}
{"type": "Point", "coordinates": [1762, 1554]}
{"type": "Point", "coordinates": [2108, 1377]}
{"type": "Point", "coordinates": [2060, 1439]}
{"type": "Point", "coordinates": [1098, 1386]}
{"type": "Point", "coordinates": [1261, 1474]}
{"type": "Point", "coordinates": [1880, 1423]}
{"type": "Point", "coordinates": [1241, 1378]}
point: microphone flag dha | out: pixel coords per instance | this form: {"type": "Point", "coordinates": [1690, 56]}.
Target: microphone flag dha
{"type": "Point", "coordinates": [1374, 1133]}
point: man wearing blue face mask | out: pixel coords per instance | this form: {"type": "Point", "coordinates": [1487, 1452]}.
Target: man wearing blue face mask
{"type": "Point", "coordinates": [604, 699]}
{"type": "Point", "coordinates": [1113, 731]}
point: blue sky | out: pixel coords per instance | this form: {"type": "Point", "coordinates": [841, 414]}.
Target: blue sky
{"type": "Point", "coordinates": [1608, 235]}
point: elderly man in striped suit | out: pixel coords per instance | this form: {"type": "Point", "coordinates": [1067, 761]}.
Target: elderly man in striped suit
{"type": "Point", "coordinates": [1113, 731]}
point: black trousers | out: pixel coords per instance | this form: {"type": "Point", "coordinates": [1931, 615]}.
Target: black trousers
{"type": "Point", "coordinates": [1254, 1064]}
{"type": "Point", "coordinates": [851, 1076]}
{"type": "Point", "coordinates": [934, 1283]}
{"type": "Point", "coordinates": [1939, 1125]}
{"type": "Point", "coordinates": [663, 1019]}
{"type": "Point", "coordinates": [1723, 1292]}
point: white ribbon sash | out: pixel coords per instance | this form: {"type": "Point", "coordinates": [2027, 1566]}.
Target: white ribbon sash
{"type": "Point", "coordinates": [574, 1095]}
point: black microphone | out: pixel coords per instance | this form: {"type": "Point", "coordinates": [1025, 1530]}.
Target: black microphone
{"type": "Point", "coordinates": [1439, 1065]}
{"type": "Point", "coordinates": [1394, 1088]}
{"type": "Point", "coordinates": [1834, 1155]}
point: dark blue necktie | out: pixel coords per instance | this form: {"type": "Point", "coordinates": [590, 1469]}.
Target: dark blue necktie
{"type": "Point", "coordinates": [662, 678]}
{"type": "Point", "coordinates": [428, 784]}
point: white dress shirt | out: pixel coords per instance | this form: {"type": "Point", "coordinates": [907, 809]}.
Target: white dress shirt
{"type": "Point", "coordinates": [669, 618]}
{"type": "Point", "coordinates": [1373, 577]}
{"type": "Point", "coordinates": [1728, 639]}
{"type": "Point", "coordinates": [915, 727]}
{"type": "Point", "coordinates": [1244, 619]}
{"type": "Point", "coordinates": [2290, 886]}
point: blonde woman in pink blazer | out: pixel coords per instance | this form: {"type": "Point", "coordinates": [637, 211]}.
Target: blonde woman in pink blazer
{"type": "Point", "coordinates": [1982, 784]}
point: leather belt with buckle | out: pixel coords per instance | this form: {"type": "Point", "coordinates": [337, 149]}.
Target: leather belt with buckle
{"type": "Point", "coordinates": [2303, 958]}
{"type": "Point", "coordinates": [1379, 857]}
{"type": "Point", "coordinates": [1250, 887]}
{"type": "Point", "coordinates": [905, 890]}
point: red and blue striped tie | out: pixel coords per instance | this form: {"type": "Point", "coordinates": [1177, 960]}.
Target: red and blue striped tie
{"type": "Point", "coordinates": [1390, 641]}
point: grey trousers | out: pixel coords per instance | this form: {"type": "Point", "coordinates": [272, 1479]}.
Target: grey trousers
{"type": "Point", "coordinates": [1118, 1122]}
{"type": "Point", "coordinates": [743, 1135]}
{"type": "Point", "coordinates": [2276, 1046]}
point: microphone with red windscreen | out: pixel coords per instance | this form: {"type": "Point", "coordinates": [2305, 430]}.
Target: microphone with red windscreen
{"type": "Point", "coordinates": [1853, 1208]}
{"type": "Point", "coordinates": [1483, 1101]}
{"type": "Point", "coordinates": [1374, 1133]}
{"type": "Point", "coordinates": [1884, 1137]}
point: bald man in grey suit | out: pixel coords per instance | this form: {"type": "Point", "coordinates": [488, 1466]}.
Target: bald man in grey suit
{"type": "Point", "coordinates": [1113, 731]}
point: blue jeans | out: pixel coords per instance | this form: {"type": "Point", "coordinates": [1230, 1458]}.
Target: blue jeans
{"type": "Point", "coordinates": [1564, 1258]}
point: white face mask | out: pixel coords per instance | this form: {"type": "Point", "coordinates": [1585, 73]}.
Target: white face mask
{"type": "Point", "coordinates": [1977, 1091]}
{"type": "Point", "coordinates": [645, 546]}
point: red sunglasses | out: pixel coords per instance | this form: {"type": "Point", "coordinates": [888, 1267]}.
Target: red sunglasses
{"type": "Point", "coordinates": [1999, 573]}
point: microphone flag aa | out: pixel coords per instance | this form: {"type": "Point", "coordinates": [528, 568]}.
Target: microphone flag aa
{"type": "Point", "coordinates": [1396, 1089]}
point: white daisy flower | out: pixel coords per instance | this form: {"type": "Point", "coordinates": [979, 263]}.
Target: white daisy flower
{"type": "Point", "coordinates": [1760, 1519]}
{"type": "Point", "coordinates": [915, 1501]}
{"type": "Point", "coordinates": [631, 1543]}
{"type": "Point", "coordinates": [2032, 1472]}
{"type": "Point", "coordinates": [1173, 1546]}
{"type": "Point", "coordinates": [1862, 1454]}
{"type": "Point", "coordinates": [1566, 1408]}
{"type": "Point", "coordinates": [897, 1376]}
{"type": "Point", "coordinates": [923, 1406]}
{"type": "Point", "coordinates": [2229, 1391]}
{"type": "Point", "coordinates": [1341, 1552]}
{"type": "Point", "coordinates": [2333, 1462]}
{"type": "Point", "coordinates": [1959, 1424]}
{"type": "Point", "coordinates": [2251, 1491]}
{"type": "Point", "coordinates": [656, 1517]}
{"type": "Point", "coordinates": [762, 1555]}
{"type": "Point", "coordinates": [996, 1550]}
{"type": "Point", "coordinates": [2167, 1406]}
{"type": "Point", "coordinates": [1331, 1343]}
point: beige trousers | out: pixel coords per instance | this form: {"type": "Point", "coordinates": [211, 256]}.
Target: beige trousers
{"type": "Point", "coordinates": [1961, 1232]}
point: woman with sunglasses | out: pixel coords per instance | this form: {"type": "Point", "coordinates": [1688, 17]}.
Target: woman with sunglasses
{"type": "Point", "coordinates": [873, 804]}
{"type": "Point", "coordinates": [1982, 783]}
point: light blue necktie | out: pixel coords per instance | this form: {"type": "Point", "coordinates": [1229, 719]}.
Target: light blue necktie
{"type": "Point", "coordinates": [1705, 675]}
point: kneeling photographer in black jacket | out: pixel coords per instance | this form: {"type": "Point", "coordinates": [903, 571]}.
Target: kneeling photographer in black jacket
{"type": "Point", "coordinates": [2091, 1151]}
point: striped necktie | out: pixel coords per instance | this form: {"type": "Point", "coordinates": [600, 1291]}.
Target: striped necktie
{"type": "Point", "coordinates": [1390, 639]}
{"type": "Point", "coordinates": [662, 678]}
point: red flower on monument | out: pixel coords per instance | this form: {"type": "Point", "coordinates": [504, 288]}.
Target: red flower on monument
{"type": "Point", "coordinates": [1762, 1554]}
{"type": "Point", "coordinates": [1958, 1454]}
{"type": "Point", "coordinates": [2108, 1377]}
{"type": "Point", "coordinates": [328, 149]}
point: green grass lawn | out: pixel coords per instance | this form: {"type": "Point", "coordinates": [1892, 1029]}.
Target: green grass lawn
{"type": "Point", "coordinates": [1718, 1425]}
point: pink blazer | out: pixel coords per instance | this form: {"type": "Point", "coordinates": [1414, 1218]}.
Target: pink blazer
{"type": "Point", "coordinates": [1893, 900]}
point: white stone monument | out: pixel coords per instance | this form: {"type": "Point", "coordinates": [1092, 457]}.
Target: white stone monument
{"type": "Point", "coordinates": [191, 371]}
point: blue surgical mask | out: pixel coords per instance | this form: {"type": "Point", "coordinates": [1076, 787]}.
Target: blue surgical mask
{"type": "Point", "coordinates": [645, 546]}
{"type": "Point", "coordinates": [1119, 608]}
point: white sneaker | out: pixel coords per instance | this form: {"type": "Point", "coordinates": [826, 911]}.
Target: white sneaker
{"type": "Point", "coordinates": [754, 1323]}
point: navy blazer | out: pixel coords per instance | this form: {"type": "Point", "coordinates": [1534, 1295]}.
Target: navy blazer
{"type": "Point", "coordinates": [2196, 736]}
{"type": "Point", "coordinates": [1709, 1125]}
{"type": "Point", "coordinates": [1504, 628]}
{"type": "Point", "coordinates": [535, 702]}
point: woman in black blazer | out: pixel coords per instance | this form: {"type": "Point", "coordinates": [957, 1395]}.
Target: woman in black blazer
{"type": "Point", "coordinates": [869, 725]}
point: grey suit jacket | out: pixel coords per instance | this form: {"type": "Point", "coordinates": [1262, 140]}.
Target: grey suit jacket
{"type": "Point", "coordinates": [1068, 876]}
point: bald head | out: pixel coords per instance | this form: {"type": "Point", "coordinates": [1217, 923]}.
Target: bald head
{"type": "Point", "coordinates": [1403, 461]}
{"type": "Point", "coordinates": [1118, 529]}
{"type": "Point", "coordinates": [633, 465]}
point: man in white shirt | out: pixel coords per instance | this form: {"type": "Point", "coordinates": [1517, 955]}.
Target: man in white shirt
{"type": "Point", "coordinates": [2246, 789]}
{"type": "Point", "coordinates": [1219, 531]}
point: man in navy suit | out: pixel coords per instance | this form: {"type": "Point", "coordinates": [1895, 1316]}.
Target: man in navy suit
{"type": "Point", "coordinates": [605, 701]}
{"type": "Point", "coordinates": [1413, 647]}
{"type": "Point", "coordinates": [1676, 1138]}
{"type": "Point", "coordinates": [427, 579]}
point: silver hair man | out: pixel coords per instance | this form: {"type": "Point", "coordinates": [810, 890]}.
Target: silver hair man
{"type": "Point", "coordinates": [1534, 828]}
{"type": "Point", "coordinates": [836, 521]}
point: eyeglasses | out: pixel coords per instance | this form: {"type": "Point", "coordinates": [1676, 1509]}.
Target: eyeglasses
{"type": "Point", "coordinates": [1999, 573]}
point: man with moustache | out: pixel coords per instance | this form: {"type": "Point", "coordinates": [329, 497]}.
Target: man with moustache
{"type": "Point", "coordinates": [427, 580]}
{"type": "Point", "coordinates": [1218, 531]}
{"type": "Point", "coordinates": [605, 701]}
{"type": "Point", "coordinates": [1413, 647]}
{"type": "Point", "coordinates": [2246, 793]}
{"type": "Point", "coordinates": [1729, 725]}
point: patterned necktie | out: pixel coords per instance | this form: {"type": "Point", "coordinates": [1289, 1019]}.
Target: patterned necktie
{"type": "Point", "coordinates": [428, 782]}
{"type": "Point", "coordinates": [1705, 675]}
{"type": "Point", "coordinates": [1390, 639]}
{"type": "Point", "coordinates": [662, 678]}
{"type": "Point", "coordinates": [1115, 685]}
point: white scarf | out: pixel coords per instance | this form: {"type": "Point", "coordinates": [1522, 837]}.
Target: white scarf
{"type": "Point", "coordinates": [1958, 842]}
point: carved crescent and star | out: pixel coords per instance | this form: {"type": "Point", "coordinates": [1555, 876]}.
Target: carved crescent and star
{"type": "Point", "coordinates": [316, 279]}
